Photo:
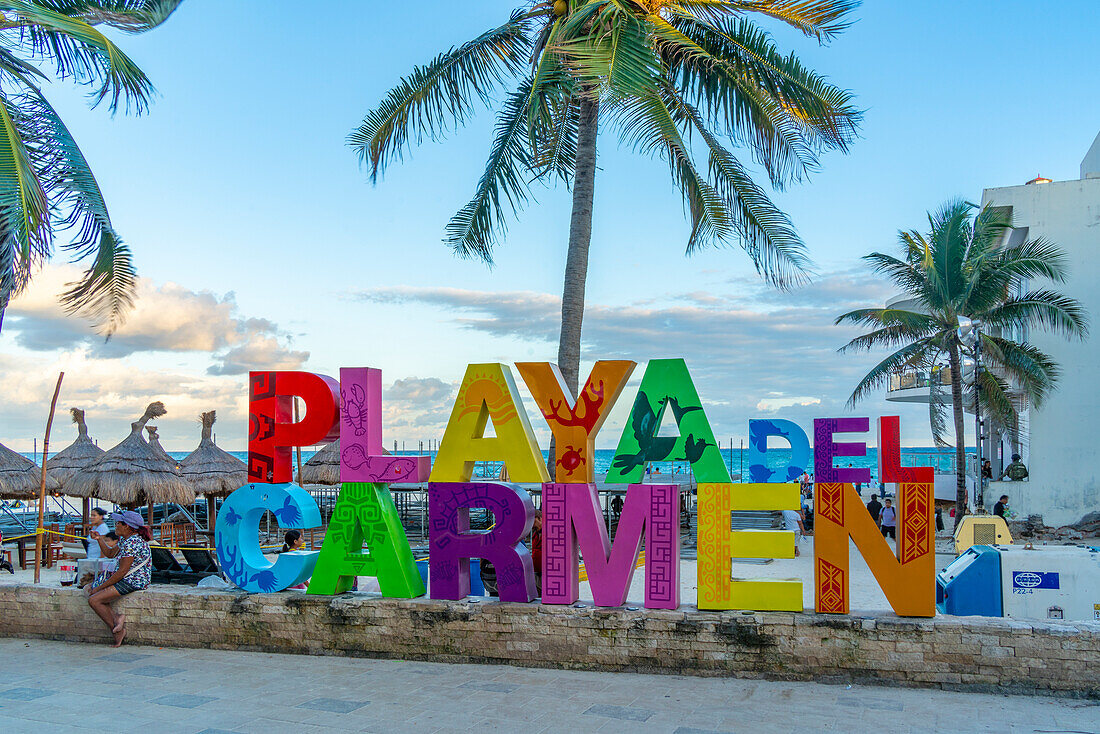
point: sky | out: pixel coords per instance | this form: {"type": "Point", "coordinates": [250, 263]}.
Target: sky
{"type": "Point", "coordinates": [262, 245]}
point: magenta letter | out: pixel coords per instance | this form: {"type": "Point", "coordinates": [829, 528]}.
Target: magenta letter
{"type": "Point", "coordinates": [362, 458]}
{"type": "Point", "coordinates": [572, 520]}
{"type": "Point", "coordinates": [825, 450]}
{"type": "Point", "coordinates": [451, 545]}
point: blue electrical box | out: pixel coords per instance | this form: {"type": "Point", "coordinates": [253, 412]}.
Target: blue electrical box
{"type": "Point", "coordinates": [971, 585]}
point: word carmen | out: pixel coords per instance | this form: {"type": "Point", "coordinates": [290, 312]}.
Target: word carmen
{"type": "Point", "coordinates": [365, 516]}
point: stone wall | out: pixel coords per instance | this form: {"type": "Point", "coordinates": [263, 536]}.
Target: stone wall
{"type": "Point", "coordinates": [946, 652]}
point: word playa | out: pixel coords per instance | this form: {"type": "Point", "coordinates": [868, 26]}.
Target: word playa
{"type": "Point", "coordinates": [351, 410]}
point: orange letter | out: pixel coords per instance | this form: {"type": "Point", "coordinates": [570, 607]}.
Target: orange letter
{"type": "Point", "coordinates": [909, 579]}
{"type": "Point", "coordinates": [576, 426]}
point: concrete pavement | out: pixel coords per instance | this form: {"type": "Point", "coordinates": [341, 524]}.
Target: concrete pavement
{"type": "Point", "coordinates": [64, 687]}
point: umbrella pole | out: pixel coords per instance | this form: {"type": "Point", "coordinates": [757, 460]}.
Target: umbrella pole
{"type": "Point", "coordinates": [86, 511]}
{"type": "Point", "coordinates": [42, 486]}
{"type": "Point", "coordinates": [210, 518]}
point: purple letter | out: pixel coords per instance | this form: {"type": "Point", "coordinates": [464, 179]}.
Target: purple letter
{"type": "Point", "coordinates": [572, 521]}
{"type": "Point", "coordinates": [451, 545]}
{"type": "Point", "coordinates": [825, 450]}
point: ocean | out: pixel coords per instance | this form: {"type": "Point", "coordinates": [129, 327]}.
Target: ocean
{"type": "Point", "coordinates": [942, 459]}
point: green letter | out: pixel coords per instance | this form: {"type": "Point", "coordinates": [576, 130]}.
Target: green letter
{"type": "Point", "coordinates": [666, 383]}
{"type": "Point", "coordinates": [365, 512]}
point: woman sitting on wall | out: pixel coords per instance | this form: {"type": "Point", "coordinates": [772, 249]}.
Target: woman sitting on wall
{"type": "Point", "coordinates": [132, 574]}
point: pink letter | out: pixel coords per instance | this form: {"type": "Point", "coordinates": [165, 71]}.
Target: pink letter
{"type": "Point", "coordinates": [572, 521]}
{"type": "Point", "coordinates": [362, 458]}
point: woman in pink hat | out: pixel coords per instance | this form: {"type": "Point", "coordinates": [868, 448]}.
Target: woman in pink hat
{"type": "Point", "coordinates": [133, 573]}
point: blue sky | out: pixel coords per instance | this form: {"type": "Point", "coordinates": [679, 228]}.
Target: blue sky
{"type": "Point", "coordinates": [261, 242]}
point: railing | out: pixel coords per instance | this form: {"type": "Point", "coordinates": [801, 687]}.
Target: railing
{"type": "Point", "coordinates": [912, 379]}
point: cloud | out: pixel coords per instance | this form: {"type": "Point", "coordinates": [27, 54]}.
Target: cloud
{"type": "Point", "coordinates": [113, 398]}
{"type": "Point", "coordinates": [751, 350]}
{"type": "Point", "coordinates": [166, 318]}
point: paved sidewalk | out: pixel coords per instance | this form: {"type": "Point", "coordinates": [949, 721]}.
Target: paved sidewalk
{"type": "Point", "coordinates": [62, 687]}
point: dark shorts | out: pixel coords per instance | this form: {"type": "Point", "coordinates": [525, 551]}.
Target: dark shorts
{"type": "Point", "coordinates": [889, 531]}
{"type": "Point", "coordinates": [124, 587]}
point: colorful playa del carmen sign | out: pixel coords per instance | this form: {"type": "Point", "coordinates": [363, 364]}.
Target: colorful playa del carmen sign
{"type": "Point", "coordinates": [365, 536]}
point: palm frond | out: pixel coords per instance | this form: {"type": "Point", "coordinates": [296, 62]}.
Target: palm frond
{"type": "Point", "coordinates": [472, 232]}
{"type": "Point", "coordinates": [822, 20]}
{"type": "Point", "coordinates": [81, 52]}
{"type": "Point", "coordinates": [1030, 368]}
{"type": "Point", "coordinates": [1056, 312]}
{"type": "Point", "coordinates": [106, 291]}
{"type": "Point", "coordinates": [783, 112]}
{"type": "Point", "coordinates": [130, 16]}
{"type": "Point", "coordinates": [765, 232]}
{"type": "Point", "coordinates": [435, 98]}
{"type": "Point", "coordinates": [646, 124]}
{"type": "Point", "coordinates": [24, 205]}
{"type": "Point", "coordinates": [911, 354]}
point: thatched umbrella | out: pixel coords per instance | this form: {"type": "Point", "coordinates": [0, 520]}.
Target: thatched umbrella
{"type": "Point", "coordinates": [154, 444]}
{"type": "Point", "coordinates": [20, 478]}
{"type": "Point", "coordinates": [212, 471]}
{"type": "Point", "coordinates": [323, 467]}
{"type": "Point", "coordinates": [133, 473]}
{"type": "Point", "coordinates": [78, 455]}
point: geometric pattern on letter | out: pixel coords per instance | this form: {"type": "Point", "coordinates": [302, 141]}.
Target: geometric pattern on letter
{"type": "Point", "coordinates": [908, 580]}
{"type": "Point", "coordinates": [662, 558]}
{"type": "Point", "coordinates": [830, 501]}
{"type": "Point", "coordinates": [560, 581]}
{"type": "Point", "coordinates": [832, 588]}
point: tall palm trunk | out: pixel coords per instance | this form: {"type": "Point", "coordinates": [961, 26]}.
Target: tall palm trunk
{"type": "Point", "coordinates": [580, 239]}
{"type": "Point", "coordinates": [960, 432]}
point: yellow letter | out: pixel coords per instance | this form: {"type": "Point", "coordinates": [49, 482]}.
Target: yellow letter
{"type": "Point", "coordinates": [488, 392]}
{"type": "Point", "coordinates": [718, 543]}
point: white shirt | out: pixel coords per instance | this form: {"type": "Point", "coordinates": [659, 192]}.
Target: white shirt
{"type": "Point", "coordinates": [93, 547]}
{"type": "Point", "coordinates": [790, 519]}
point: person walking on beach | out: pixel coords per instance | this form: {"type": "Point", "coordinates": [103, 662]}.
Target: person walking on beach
{"type": "Point", "coordinates": [875, 508]}
{"type": "Point", "coordinates": [889, 521]}
{"type": "Point", "coordinates": [133, 573]}
{"type": "Point", "coordinates": [792, 521]}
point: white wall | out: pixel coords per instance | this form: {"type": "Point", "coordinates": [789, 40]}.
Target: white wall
{"type": "Point", "coordinates": [1065, 432]}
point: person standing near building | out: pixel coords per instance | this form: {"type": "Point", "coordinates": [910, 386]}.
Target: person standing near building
{"type": "Point", "coordinates": [1016, 471]}
{"type": "Point", "coordinates": [875, 508]}
{"type": "Point", "coordinates": [1001, 506]}
{"type": "Point", "coordinates": [792, 521]}
{"type": "Point", "coordinates": [888, 520]}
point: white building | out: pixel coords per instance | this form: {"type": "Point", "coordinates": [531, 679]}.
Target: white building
{"type": "Point", "coordinates": [1058, 443]}
{"type": "Point", "coordinates": [1056, 440]}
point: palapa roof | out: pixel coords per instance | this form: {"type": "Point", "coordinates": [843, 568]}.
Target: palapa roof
{"type": "Point", "coordinates": [133, 473]}
{"type": "Point", "coordinates": [154, 444]}
{"type": "Point", "coordinates": [80, 454]}
{"type": "Point", "coordinates": [323, 467]}
{"type": "Point", "coordinates": [20, 478]}
{"type": "Point", "coordinates": [210, 470]}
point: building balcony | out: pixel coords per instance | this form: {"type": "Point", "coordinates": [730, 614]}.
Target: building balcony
{"type": "Point", "coordinates": [915, 386]}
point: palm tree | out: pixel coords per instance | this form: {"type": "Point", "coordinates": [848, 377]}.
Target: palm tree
{"type": "Point", "coordinates": [667, 76]}
{"type": "Point", "coordinates": [45, 182]}
{"type": "Point", "coordinates": [966, 268]}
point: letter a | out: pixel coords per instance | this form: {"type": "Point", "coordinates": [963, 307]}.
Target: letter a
{"type": "Point", "coordinates": [488, 392]}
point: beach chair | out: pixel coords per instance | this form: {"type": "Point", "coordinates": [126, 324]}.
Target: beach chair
{"type": "Point", "coordinates": [200, 559]}
{"type": "Point", "coordinates": [167, 570]}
